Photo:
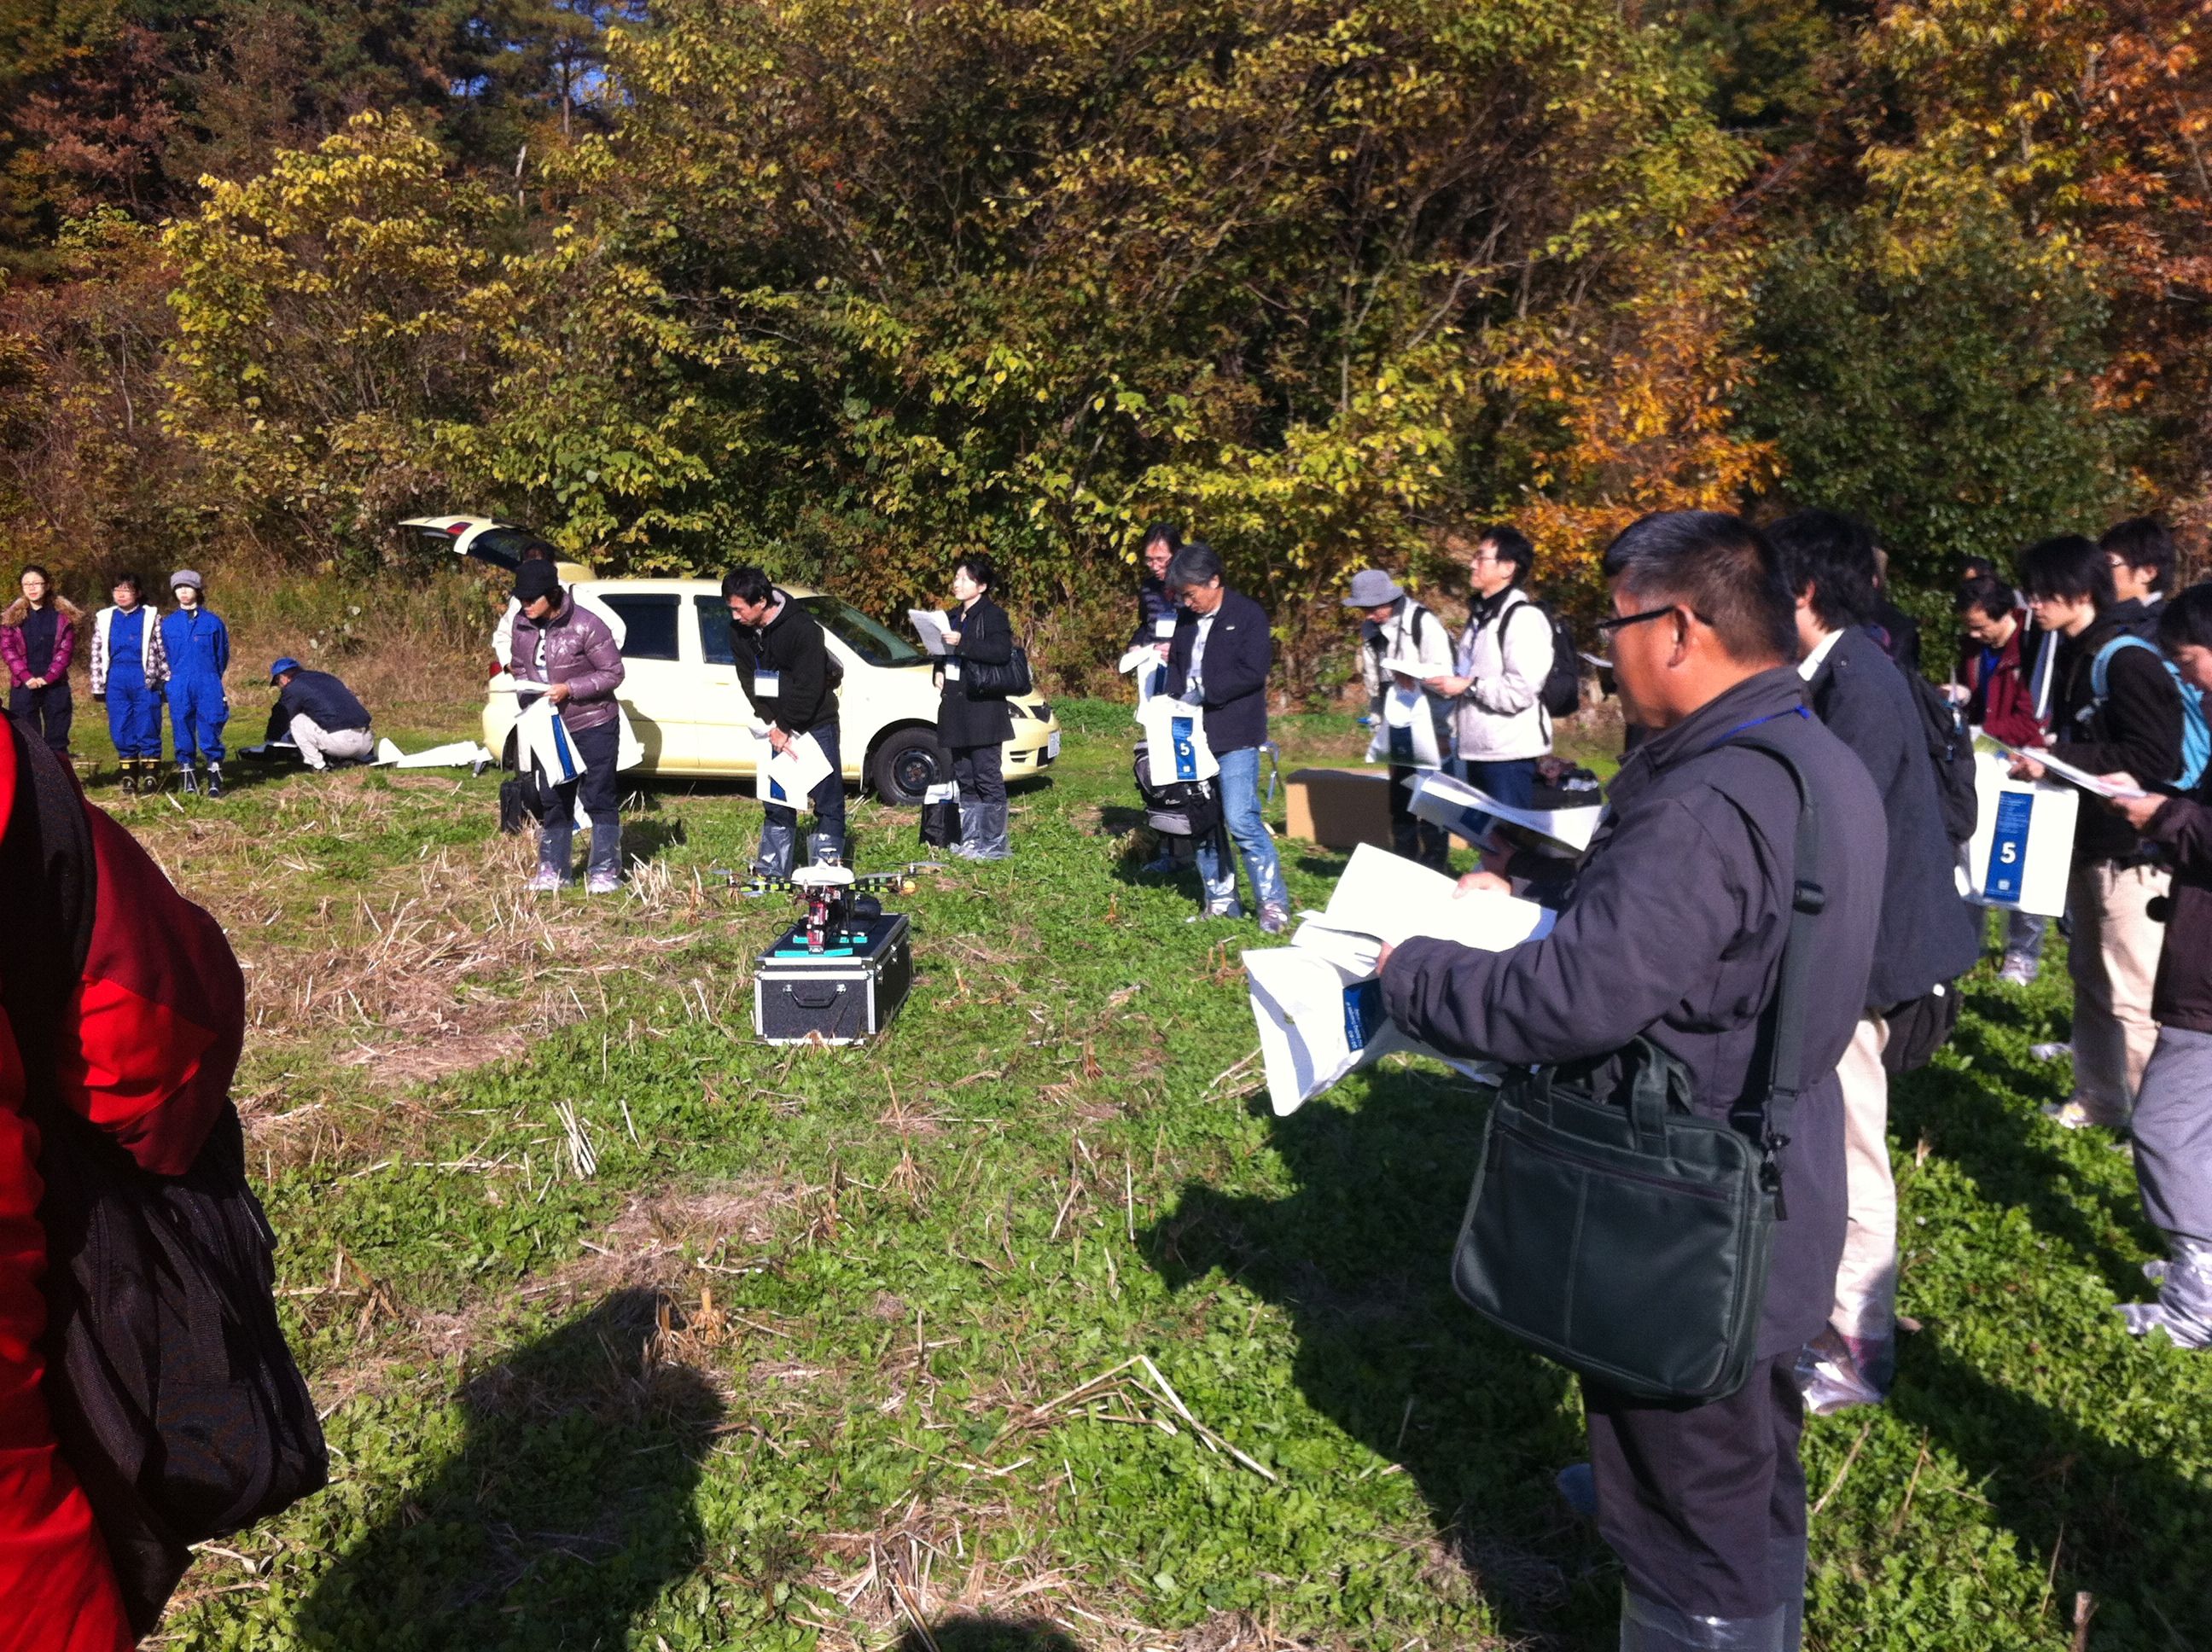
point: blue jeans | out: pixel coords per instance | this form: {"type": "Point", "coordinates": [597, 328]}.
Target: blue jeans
{"type": "Point", "coordinates": [1511, 779]}
{"type": "Point", "coordinates": [1239, 786]}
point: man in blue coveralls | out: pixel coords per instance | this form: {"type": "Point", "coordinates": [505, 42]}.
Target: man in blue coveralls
{"type": "Point", "coordinates": [128, 670]}
{"type": "Point", "coordinates": [198, 646]}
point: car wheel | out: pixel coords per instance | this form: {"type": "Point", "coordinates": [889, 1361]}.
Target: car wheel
{"type": "Point", "coordinates": [907, 764]}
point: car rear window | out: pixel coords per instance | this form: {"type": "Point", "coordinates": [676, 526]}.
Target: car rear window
{"type": "Point", "coordinates": [651, 622]}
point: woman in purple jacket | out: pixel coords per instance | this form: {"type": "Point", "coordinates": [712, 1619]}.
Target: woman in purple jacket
{"type": "Point", "coordinates": [37, 638]}
{"type": "Point", "coordinates": [569, 651]}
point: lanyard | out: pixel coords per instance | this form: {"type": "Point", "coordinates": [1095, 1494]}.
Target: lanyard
{"type": "Point", "coordinates": [1794, 711]}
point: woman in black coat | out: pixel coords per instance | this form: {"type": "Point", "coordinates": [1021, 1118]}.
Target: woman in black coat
{"type": "Point", "coordinates": [973, 730]}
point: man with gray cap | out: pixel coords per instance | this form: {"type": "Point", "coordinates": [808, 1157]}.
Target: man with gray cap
{"type": "Point", "coordinates": [198, 645]}
{"type": "Point", "coordinates": [1396, 629]}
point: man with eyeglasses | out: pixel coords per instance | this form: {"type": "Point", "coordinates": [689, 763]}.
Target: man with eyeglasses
{"type": "Point", "coordinates": [1499, 725]}
{"type": "Point", "coordinates": [2141, 553]}
{"type": "Point", "coordinates": [1672, 930]}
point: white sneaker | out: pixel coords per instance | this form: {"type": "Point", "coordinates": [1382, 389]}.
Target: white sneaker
{"type": "Point", "coordinates": [2018, 971]}
{"type": "Point", "coordinates": [543, 880]}
{"type": "Point", "coordinates": [603, 882]}
{"type": "Point", "coordinates": [2074, 1114]}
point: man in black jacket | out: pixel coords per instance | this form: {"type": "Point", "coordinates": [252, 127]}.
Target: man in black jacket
{"type": "Point", "coordinates": [1674, 932]}
{"type": "Point", "coordinates": [1219, 659]}
{"type": "Point", "coordinates": [318, 714]}
{"type": "Point", "coordinates": [1928, 937]}
{"type": "Point", "coordinates": [2133, 727]}
{"type": "Point", "coordinates": [2141, 554]}
{"type": "Point", "coordinates": [784, 668]}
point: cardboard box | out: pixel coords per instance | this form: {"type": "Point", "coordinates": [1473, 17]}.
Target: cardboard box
{"type": "Point", "coordinates": [1339, 808]}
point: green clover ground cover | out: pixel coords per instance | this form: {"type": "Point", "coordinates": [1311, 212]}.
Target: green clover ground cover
{"type": "Point", "coordinates": [791, 1366]}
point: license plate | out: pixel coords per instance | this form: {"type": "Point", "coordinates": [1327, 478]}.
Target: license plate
{"type": "Point", "coordinates": [1052, 747]}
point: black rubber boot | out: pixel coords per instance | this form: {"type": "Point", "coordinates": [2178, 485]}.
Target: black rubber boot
{"type": "Point", "coordinates": [129, 767]}
{"type": "Point", "coordinates": [215, 779]}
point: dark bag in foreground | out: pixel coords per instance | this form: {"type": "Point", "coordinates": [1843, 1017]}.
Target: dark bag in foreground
{"type": "Point", "coordinates": [985, 681]}
{"type": "Point", "coordinates": [172, 1392]}
{"type": "Point", "coordinates": [1631, 1243]}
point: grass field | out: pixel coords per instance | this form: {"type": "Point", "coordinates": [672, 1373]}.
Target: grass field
{"type": "Point", "coordinates": [1029, 1327]}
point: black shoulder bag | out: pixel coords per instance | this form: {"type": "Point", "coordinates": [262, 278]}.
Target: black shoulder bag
{"type": "Point", "coordinates": [1631, 1243]}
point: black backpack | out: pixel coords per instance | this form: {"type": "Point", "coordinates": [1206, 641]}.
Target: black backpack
{"type": "Point", "coordinates": [173, 1391]}
{"type": "Point", "coordinates": [1951, 749]}
{"type": "Point", "coordinates": [1562, 692]}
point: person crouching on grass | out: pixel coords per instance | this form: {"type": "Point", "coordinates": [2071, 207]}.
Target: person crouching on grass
{"type": "Point", "coordinates": [558, 644]}
{"type": "Point", "coordinates": [319, 715]}
{"type": "Point", "coordinates": [1672, 930]}
{"type": "Point", "coordinates": [2173, 1122]}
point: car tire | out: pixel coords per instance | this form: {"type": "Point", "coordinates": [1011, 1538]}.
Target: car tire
{"type": "Point", "coordinates": [907, 763]}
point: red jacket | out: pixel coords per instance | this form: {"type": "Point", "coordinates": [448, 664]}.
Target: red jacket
{"type": "Point", "coordinates": [146, 1050]}
{"type": "Point", "coordinates": [17, 658]}
{"type": "Point", "coordinates": [2003, 707]}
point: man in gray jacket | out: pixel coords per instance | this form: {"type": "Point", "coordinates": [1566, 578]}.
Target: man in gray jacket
{"type": "Point", "coordinates": [1673, 929]}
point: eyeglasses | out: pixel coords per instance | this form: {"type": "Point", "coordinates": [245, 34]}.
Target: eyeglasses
{"type": "Point", "coordinates": [1606, 627]}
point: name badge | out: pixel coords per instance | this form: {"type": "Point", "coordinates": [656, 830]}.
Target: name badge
{"type": "Point", "coordinates": [1163, 627]}
{"type": "Point", "coordinates": [952, 670]}
{"type": "Point", "coordinates": [768, 686]}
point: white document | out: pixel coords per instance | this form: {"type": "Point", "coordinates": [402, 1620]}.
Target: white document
{"type": "Point", "coordinates": [1393, 899]}
{"type": "Point", "coordinates": [931, 627]}
{"type": "Point", "coordinates": [542, 740]}
{"type": "Point", "coordinates": [2095, 785]}
{"type": "Point", "coordinates": [1453, 804]}
{"type": "Point", "coordinates": [1175, 748]}
{"type": "Point", "coordinates": [1143, 662]}
{"type": "Point", "coordinates": [1407, 733]}
{"type": "Point", "coordinates": [789, 776]}
{"type": "Point", "coordinates": [1317, 1003]}
{"type": "Point", "coordinates": [2023, 841]}
{"type": "Point", "coordinates": [1409, 665]}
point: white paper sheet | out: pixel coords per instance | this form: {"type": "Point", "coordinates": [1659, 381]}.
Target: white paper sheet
{"type": "Point", "coordinates": [931, 627]}
{"type": "Point", "coordinates": [457, 754]}
{"type": "Point", "coordinates": [1450, 803]}
{"type": "Point", "coordinates": [789, 776]}
{"type": "Point", "coordinates": [2094, 785]}
{"type": "Point", "coordinates": [1175, 749]}
{"type": "Point", "coordinates": [1394, 899]}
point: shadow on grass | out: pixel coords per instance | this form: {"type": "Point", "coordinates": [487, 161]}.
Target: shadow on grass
{"type": "Point", "coordinates": [966, 1634]}
{"type": "Point", "coordinates": [567, 1512]}
{"type": "Point", "coordinates": [1983, 1121]}
{"type": "Point", "coordinates": [1359, 1253]}
{"type": "Point", "coordinates": [651, 838]}
{"type": "Point", "coordinates": [2132, 1529]}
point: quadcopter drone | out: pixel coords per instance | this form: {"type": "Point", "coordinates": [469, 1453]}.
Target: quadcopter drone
{"type": "Point", "coordinates": [837, 897]}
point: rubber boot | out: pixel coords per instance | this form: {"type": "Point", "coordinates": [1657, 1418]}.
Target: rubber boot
{"type": "Point", "coordinates": [188, 782]}
{"type": "Point", "coordinates": [779, 844]}
{"type": "Point", "coordinates": [129, 767]}
{"type": "Point", "coordinates": [824, 850]}
{"type": "Point", "coordinates": [2182, 1312]}
{"type": "Point", "coordinates": [992, 841]}
{"type": "Point", "coordinates": [1652, 1626]}
{"type": "Point", "coordinates": [971, 830]}
{"type": "Point", "coordinates": [215, 779]}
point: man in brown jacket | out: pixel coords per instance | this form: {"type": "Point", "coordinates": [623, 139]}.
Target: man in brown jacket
{"type": "Point", "coordinates": [571, 653]}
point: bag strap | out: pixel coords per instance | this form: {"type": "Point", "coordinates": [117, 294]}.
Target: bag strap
{"type": "Point", "coordinates": [1785, 1030]}
{"type": "Point", "coordinates": [2100, 667]}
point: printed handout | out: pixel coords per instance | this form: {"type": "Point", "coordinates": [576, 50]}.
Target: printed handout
{"type": "Point", "coordinates": [931, 627]}
{"type": "Point", "coordinates": [1455, 804]}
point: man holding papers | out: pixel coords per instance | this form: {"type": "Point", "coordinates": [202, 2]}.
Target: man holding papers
{"type": "Point", "coordinates": [785, 669]}
{"type": "Point", "coordinates": [2114, 709]}
{"type": "Point", "coordinates": [1674, 931]}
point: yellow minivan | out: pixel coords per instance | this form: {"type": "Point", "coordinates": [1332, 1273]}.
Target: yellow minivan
{"type": "Point", "coordinates": [680, 685]}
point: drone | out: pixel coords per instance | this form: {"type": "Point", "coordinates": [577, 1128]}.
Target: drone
{"type": "Point", "coordinates": [836, 895]}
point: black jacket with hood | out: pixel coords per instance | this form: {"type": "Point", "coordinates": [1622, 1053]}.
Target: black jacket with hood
{"type": "Point", "coordinates": [791, 649]}
{"type": "Point", "coordinates": [2137, 729]}
{"type": "Point", "coordinates": [1674, 929]}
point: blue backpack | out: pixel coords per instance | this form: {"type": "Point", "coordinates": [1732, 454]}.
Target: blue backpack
{"type": "Point", "coordinates": [2196, 733]}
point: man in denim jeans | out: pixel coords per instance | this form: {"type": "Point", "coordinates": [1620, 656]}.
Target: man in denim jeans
{"type": "Point", "coordinates": [1218, 659]}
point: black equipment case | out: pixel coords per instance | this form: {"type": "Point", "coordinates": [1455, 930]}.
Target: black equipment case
{"type": "Point", "coordinates": [841, 995]}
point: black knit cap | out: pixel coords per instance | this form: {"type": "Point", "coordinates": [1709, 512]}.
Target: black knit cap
{"type": "Point", "coordinates": [535, 579]}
